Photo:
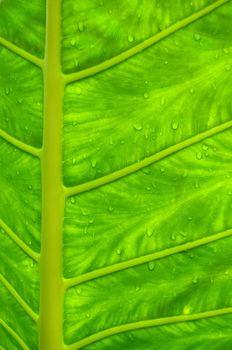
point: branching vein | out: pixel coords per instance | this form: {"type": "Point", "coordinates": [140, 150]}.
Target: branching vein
{"type": "Point", "coordinates": [19, 299]}
{"type": "Point", "coordinates": [33, 255]}
{"type": "Point", "coordinates": [145, 324]}
{"type": "Point", "coordinates": [18, 339]}
{"type": "Point", "coordinates": [19, 144]}
{"type": "Point", "coordinates": [69, 191]}
{"type": "Point", "coordinates": [22, 53]}
{"type": "Point", "coordinates": [143, 45]}
{"type": "Point", "coordinates": [71, 282]}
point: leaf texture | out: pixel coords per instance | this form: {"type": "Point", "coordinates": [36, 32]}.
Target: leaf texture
{"type": "Point", "coordinates": [116, 179]}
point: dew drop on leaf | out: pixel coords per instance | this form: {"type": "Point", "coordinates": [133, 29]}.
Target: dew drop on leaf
{"type": "Point", "coordinates": [194, 280]}
{"type": "Point", "coordinates": [119, 251]}
{"type": "Point", "coordinates": [78, 91]}
{"type": "Point", "coordinates": [146, 95]}
{"type": "Point", "coordinates": [226, 51]}
{"type": "Point", "coordinates": [110, 208]}
{"type": "Point", "coordinates": [173, 237]}
{"type": "Point", "coordinates": [72, 42]}
{"type": "Point", "coordinates": [93, 163]}
{"type": "Point", "coordinates": [199, 155]}
{"type": "Point", "coordinates": [130, 38]}
{"type": "Point", "coordinates": [81, 26]}
{"type": "Point", "coordinates": [196, 36]}
{"type": "Point", "coordinates": [73, 200]}
{"type": "Point", "coordinates": [151, 265]}
{"type": "Point", "coordinates": [149, 231]}
{"type": "Point", "coordinates": [162, 101]}
{"type": "Point", "coordinates": [138, 127]}
{"type": "Point", "coordinates": [175, 124]}
{"type": "Point", "coordinates": [84, 212]}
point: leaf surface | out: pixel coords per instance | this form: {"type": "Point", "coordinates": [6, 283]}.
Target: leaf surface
{"type": "Point", "coordinates": [116, 180]}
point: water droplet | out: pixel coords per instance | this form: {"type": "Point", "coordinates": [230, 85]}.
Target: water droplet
{"type": "Point", "coordinates": [162, 170]}
{"type": "Point", "coordinates": [88, 315]}
{"type": "Point", "coordinates": [73, 42]}
{"type": "Point", "coordinates": [151, 265]}
{"type": "Point", "coordinates": [130, 38]}
{"type": "Point", "coordinates": [190, 218]}
{"type": "Point", "coordinates": [29, 187]}
{"type": "Point", "coordinates": [93, 163]}
{"type": "Point", "coordinates": [146, 95]}
{"type": "Point", "coordinates": [205, 147]}
{"type": "Point", "coordinates": [175, 124]}
{"type": "Point", "coordinates": [137, 288]}
{"type": "Point", "coordinates": [166, 62]}
{"type": "Point", "coordinates": [226, 51]}
{"type": "Point", "coordinates": [162, 101]}
{"type": "Point", "coordinates": [110, 208]}
{"type": "Point", "coordinates": [110, 12]}
{"type": "Point", "coordinates": [138, 127]}
{"type": "Point", "coordinates": [7, 91]}
{"type": "Point", "coordinates": [191, 90]}
{"type": "Point", "coordinates": [74, 161]}
{"type": "Point", "coordinates": [149, 231]}
{"type": "Point", "coordinates": [194, 280]}
{"type": "Point", "coordinates": [196, 36]}
{"type": "Point", "coordinates": [186, 310]}
{"type": "Point", "coordinates": [81, 26]}
{"type": "Point", "coordinates": [183, 234]}
{"type": "Point", "coordinates": [85, 212]}
{"type": "Point", "coordinates": [119, 251]}
{"type": "Point", "coordinates": [78, 91]}
{"type": "Point", "coordinates": [74, 123]}
{"type": "Point", "coordinates": [72, 200]}
{"type": "Point", "coordinates": [91, 221]}
{"type": "Point", "coordinates": [76, 62]}
{"type": "Point", "coordinates": [20, 100]}
{"type": "Point", "coordinates": [199, 155]}
{"type": "Point", "coordinates": [173, 237]}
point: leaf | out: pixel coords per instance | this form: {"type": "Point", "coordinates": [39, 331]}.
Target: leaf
{"type": "Point", "coordinates": [116, 175]}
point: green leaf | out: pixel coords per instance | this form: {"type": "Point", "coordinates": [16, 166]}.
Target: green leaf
{"type": "Point", "coordinates": [116, 179]}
